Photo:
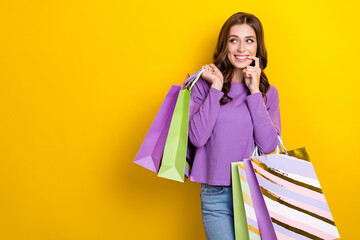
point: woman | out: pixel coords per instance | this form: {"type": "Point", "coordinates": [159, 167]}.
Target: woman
{"type": "Point", "coordinates": [233, 107]}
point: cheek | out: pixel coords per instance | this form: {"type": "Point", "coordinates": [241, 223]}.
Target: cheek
{"type": "Point", "coordinates": [229, 52]}
{"type": "Point", "coordinates": [231, 48]}
{"type": "Point", "coordinates": [254, 49]}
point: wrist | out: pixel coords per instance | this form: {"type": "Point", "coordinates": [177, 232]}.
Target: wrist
{"type": "Point", "coordinates": [217, 86]}
{"type": "Point", "coordinates": [254, 91]}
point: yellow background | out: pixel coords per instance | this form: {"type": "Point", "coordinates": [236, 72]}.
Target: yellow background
{"type": "Point", "coordinates": [81, 82]}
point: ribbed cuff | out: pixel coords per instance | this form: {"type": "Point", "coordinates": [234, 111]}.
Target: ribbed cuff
{"type": "Point", "coordinates": [218, 94]}
{"type": "Point", "coordinates": [257, 107]}
{"type": "Point", "coordinates": [254, 99]}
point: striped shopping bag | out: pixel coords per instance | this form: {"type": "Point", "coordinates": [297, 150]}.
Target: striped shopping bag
{"type": "Point", "coordinates": [245, 220]}
{"type": "Point", "coordinates": [286, 197]}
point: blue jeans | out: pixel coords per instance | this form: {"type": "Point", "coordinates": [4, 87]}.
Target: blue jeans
{"type": "Point", "coordinates": [217, 212]}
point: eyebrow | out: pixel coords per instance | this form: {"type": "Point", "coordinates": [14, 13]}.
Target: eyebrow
{"type": "Point", "coordinates": [245, 36]}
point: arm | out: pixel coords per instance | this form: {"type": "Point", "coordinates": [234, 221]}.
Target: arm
{"type": "Point", "coordinates": [267, 124]}
{"type": "Point", "coordinates": [204, 109]}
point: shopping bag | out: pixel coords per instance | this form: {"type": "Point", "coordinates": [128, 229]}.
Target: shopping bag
{"type": "Point", "coordinates": [173, 163]}
{"type": "Point", "coordinates": [245, 221]}
{"type": "Point", "coordinates": [152, 148]}
{"type": "Point", "coordinates": [287, 196]}
{"type": "Point", "coordinates": [255, 207]}
{"type": "Point", "coordinates": [262, 216]}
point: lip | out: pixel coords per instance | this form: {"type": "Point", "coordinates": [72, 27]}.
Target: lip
{"type": "Point", "coordinates": [241, 60]}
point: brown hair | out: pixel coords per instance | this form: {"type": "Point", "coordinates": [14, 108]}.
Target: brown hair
{"type": "Point", "coordinates": [220, 54]}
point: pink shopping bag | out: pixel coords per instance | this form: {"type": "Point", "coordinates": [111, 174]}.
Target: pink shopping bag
{"type": "Point", "coordinates": [150, 153]}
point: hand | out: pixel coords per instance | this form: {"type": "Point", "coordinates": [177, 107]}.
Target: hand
{"type": "Point", "coordinates": [213, 75]}
{"type": "Point", "coordinates": [252, 76]}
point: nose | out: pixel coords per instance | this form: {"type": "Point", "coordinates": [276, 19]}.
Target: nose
{"type": "Point", "coordinates": [241, 47]}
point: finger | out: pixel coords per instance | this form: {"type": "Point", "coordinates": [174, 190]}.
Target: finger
{"type": "Point", "coordinates": [251, 67]}
{"type": "Point", "coordinates": [257, 61]}
{"type": "Point", "coordinates": [245, 71]}
{"type": "Point", "coordinates": [207, 67]}
{"type": "Point", "coordinates": [249, 73]}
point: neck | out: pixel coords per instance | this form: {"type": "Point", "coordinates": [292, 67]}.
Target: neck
{"type": "Point", "coordinates": [238, 75]}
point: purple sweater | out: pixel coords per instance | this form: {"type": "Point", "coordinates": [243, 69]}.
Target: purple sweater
{"type": "Point", "coordinates": [222, 134]}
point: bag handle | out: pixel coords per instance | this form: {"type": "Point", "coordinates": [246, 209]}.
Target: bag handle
{"type": "Point", "coordinates": [195, 80]}
{"type": "Point", "coordinates": [277, 150]}
{"type": "Point", "coordinates": [278, 147]}
{"type": "Point", "coordinates": [256, 151]}
{"type": "Point", "coordinates": [189, 80]}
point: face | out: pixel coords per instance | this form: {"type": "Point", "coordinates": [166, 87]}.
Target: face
{"type": "Point", "coordinates": [242, 43]}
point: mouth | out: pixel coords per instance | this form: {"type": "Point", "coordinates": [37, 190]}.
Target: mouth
{"type": "Point", "coordinates": [241, 58]}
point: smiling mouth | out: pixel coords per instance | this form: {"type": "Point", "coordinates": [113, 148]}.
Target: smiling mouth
{"type": "Point", "coordinates": [241, 58]}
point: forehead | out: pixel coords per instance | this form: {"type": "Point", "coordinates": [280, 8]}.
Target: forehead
{"type": "Point", "coordinates": [242, 30]}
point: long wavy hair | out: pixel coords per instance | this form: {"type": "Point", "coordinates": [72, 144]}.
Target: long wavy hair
{"type": "Point", "coordinates": [220, 54]}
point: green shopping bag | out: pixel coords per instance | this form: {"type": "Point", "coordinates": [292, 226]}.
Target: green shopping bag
{"type": "Point", "coordinates": [241, 196]}
{"type": "Point", "coordinates": [174, 157]}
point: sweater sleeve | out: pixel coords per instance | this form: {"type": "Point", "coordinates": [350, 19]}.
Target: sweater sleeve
{"type": "Point", "coordinates": [267, 124]}
{"type": "Point", "coordinates": [204, 109]}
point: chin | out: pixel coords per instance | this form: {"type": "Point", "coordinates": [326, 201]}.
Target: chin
{"type": "Point", "coordinates": [240, 65]}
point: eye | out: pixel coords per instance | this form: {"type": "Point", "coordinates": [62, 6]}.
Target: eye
{"type": "Point", "coordinates": [232, 40]}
